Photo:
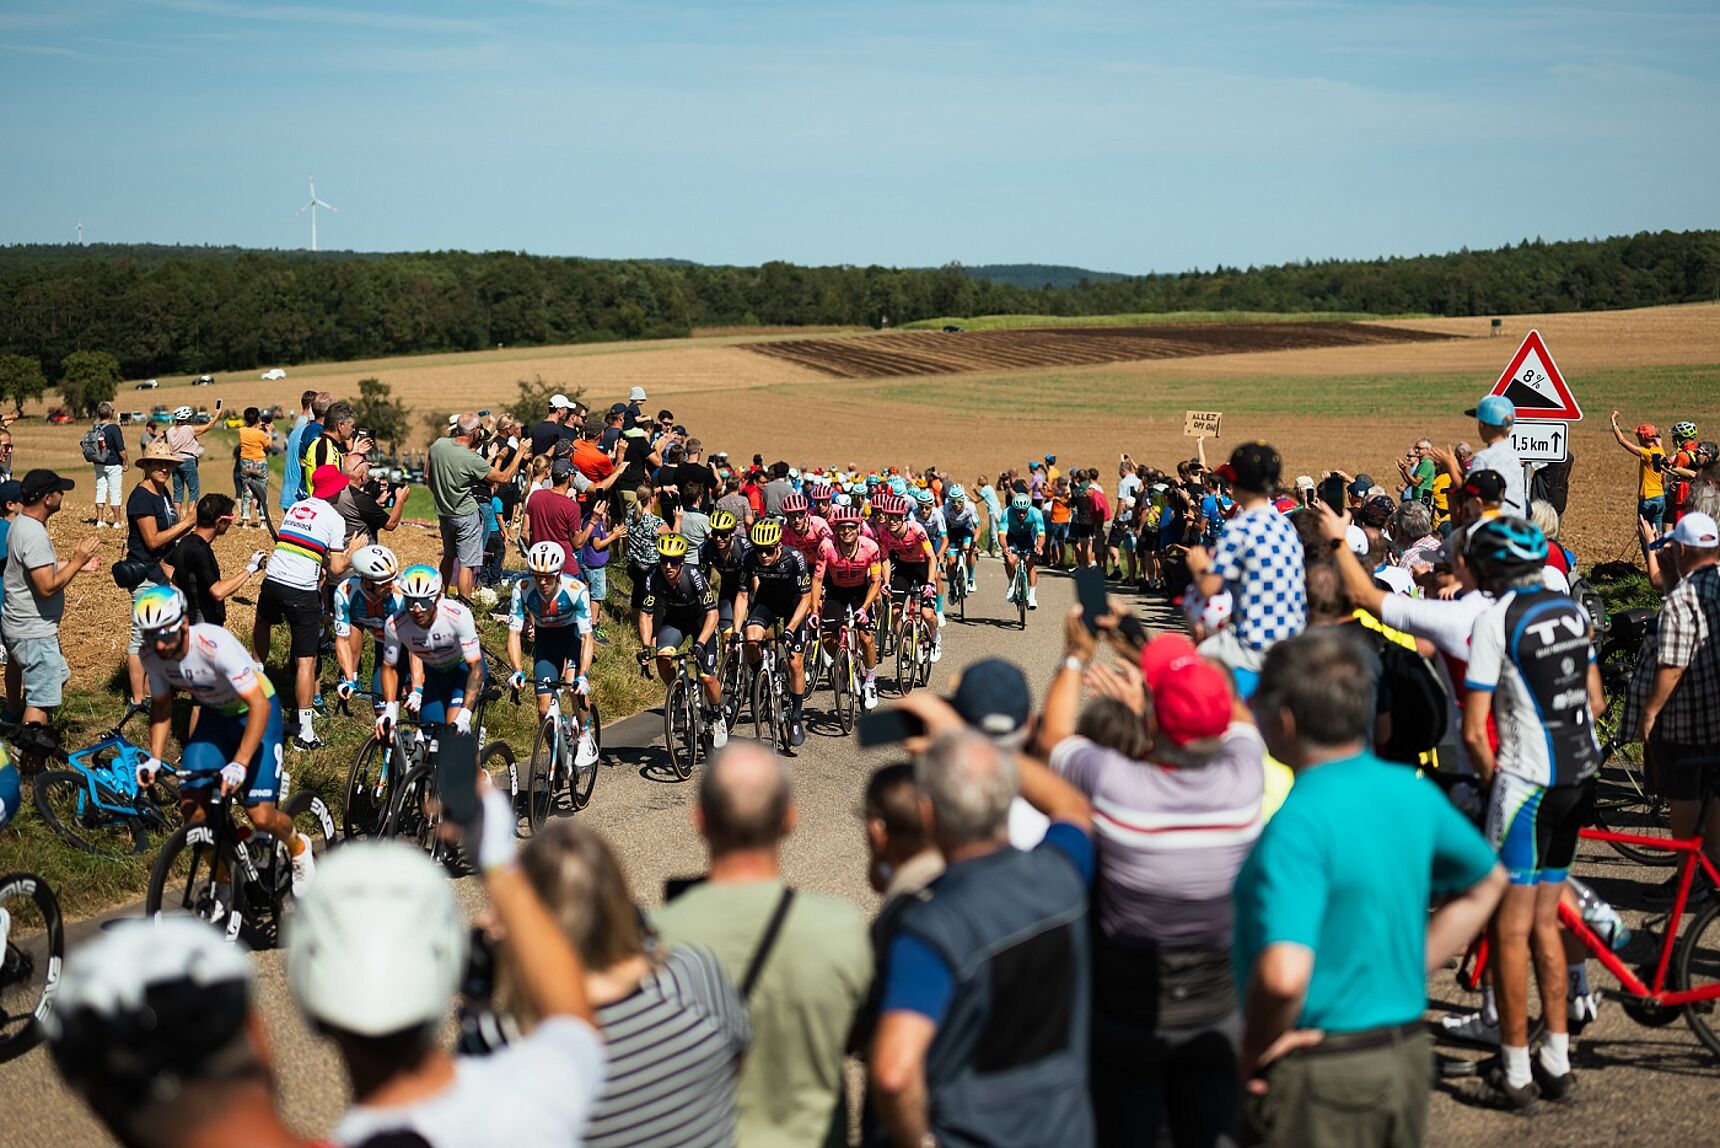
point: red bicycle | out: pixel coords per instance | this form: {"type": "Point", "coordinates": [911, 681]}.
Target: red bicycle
{"type": "Point", "coordinates": [1684, 978]}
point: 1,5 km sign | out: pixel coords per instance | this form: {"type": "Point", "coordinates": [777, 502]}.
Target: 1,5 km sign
{"type": "Point", "coordinates": [1536, 441]}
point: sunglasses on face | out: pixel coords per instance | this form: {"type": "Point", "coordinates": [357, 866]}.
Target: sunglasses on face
{"type": "Point", "coordinates": [669, 563]}
{"type": "Point", "coordinates": [767, 553]}
{"type": "Point", "coordinates": [420, 604]}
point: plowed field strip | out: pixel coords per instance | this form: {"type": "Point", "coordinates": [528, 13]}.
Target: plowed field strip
{"type": "Point", "coordinates": [936, 353]}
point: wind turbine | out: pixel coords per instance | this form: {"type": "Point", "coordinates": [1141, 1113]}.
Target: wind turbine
{"type": "Point", "coordinates": [312, 206]}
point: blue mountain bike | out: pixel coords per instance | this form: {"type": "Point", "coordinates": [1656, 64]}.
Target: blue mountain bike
{"type": "Point", "coordinates": [95, 803]}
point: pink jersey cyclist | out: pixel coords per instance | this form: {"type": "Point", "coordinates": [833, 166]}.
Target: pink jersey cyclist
{"type": "Point", "coordinates": [849, 572]}
{"type": "Point", "coordinates": [817, 533]}
{"type": "Point", "coordinates": [912, 548]}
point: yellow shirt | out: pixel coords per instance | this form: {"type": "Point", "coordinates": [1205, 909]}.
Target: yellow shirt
{"type": "Point", "coordinates": [253, 444]}
{"type": "Point", "coordinates": [1441, 497]}
{"type": "Point", "coordinates": [1650, 479]}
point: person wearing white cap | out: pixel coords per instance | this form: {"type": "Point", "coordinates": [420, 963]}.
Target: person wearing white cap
{"type": "Point", "coordinates": [1680, 722]}
{"type": "Point", "coordinates": [635, 408]}
{"type": "Point", "coordinates": [559, 424]}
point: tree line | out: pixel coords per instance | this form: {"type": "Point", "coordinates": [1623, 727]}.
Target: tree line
{"type": "Point", "coordinates": [162, 310]}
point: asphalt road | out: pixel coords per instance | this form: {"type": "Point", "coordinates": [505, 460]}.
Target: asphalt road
{"type": "Point", "coordinates": [1651, 1085]}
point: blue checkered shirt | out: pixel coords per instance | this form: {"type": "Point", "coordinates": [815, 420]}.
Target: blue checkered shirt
{"type": "Point", "coordinates": [1259, 557]}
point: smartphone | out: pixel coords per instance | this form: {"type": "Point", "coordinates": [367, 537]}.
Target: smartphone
{"type": "Point", "coordinates": [888, 727]}
{"type": "Point", "coordinates": [217, 404]}
{"type": "Point", "coordinates": [1090, 592]}
{"type": "Point", "coordinates": [1307, 496]}
{"type": "Point", "coordinates": [1332, 489]}
{"type": "Point", "coordinates": [457, 776]}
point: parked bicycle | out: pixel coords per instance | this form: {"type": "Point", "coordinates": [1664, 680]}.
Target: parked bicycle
{"type": "Point", "coordinates": [96, 804]}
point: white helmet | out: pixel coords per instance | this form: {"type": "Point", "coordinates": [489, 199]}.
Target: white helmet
{"type": "Point", "coordinates": [181, 414]}
{"type": "Point", "coordinates": [377, 563]}
{"type": "Point", "coordinates": [377, 945]}
{"type": "Point", "coordinates": [546, 558]}
{"type": "Point", "coordinates": [159, 608]}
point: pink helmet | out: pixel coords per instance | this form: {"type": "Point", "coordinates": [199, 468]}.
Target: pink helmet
{"type": "Point", "coordinates": [890, 505]}
{"type": "Point", "coordinates": [794, 504]}
{"type": "Point", "coordinates": [845, 516]}
{"type": "Point", "coordinates": [820, 493]}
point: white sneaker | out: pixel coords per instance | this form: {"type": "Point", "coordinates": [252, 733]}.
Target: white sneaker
{"type": "Point", "coordinates": [719, 732]}
{"type": "Point", "coordinates": [1469, 1028]}
{"type": "Point", "coordinates": [1032, 599]}
{"type": "Point", "coordinates": [587, 751]}
{"type": "Point", "coordinates": [304, 867]}
{"type": "Point", "coordinates": [938, 648]}
{"type": "Point", "coordinates": [869, 695]}
{"type": "Point", "coordinates": [970, 586]}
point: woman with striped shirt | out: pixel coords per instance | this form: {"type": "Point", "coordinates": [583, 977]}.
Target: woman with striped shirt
{"type": "Point", "coordinates": [676, 1028]}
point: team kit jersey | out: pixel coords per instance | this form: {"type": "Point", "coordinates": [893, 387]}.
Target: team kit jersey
{"type": "Point", "coordinates": [569, 606]}
{"type": "Point", "coordinates": [848, 571]}
{"type": "Point", "coordinates": [961, 518]}
{"type": "Point", "coordinates": [1023, 528]}
{"type": "Point", "coordinates": [933, 525]}
{"type": "Point", "coordinates": [354, 606]}
{"type": "Point", "coordinates": [217, 671]}
{"type": "Point", "coordinates": [308, 532]}
{"type": "Point", "coordinates": [817, 530]}
{"type": "Point", "coordinates": [781, 583]}
{"type": "Point", "coordinates": [727, 568]}
{"type": "Point", "coordinates": [688, 593]}
{"type": "Point", "coordinates": [1531, 649]}
{"type": "Point", "coordinates": [450, 639]}
{"type": "Point", "coordinates": [912, 548]}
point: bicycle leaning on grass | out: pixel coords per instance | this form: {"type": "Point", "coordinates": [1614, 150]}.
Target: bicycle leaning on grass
{"type": "Point", "coordinates": [97, 805]}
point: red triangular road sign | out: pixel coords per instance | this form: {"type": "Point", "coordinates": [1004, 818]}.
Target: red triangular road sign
{"type": "Point", "coordinates": [1533, 384]}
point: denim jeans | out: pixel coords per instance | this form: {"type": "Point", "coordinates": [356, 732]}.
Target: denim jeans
{"type": "Point", "coordinates": [186, 485]}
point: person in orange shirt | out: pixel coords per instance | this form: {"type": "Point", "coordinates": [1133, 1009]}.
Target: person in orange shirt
{"type": "Point", "coordinates": [255, 438]}
{"type": "Point", "coordinates": [1057, 528]}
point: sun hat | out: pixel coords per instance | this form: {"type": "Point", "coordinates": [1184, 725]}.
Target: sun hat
{"type": "Point", "coordinates": [559, 402]}
{"type": "Point", "coordinates": [327, 481]}
{"type": "Point", "coordinates": [157, 451]}
{"type": "Point", "coordinates": [1493, 411]}
{"type": "Point", "coordinates": [1647, 430]}
{"type": "Point", "coordinates": [637, 395]}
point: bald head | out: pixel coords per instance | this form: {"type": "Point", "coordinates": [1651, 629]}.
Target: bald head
{"type": "Point", "coordinates": [744, 799]}
{"type": "Point", "coordinates": [969, 783]}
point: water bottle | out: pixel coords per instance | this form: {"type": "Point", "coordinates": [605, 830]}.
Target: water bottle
{"type": "Point", "coordinates": [1600, 916]}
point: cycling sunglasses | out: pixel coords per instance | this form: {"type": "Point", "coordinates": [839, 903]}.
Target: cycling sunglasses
{"type": "Point", "coordinates": [420, 603]}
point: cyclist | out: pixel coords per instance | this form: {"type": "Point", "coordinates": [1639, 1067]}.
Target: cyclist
{"type": "Point", "coordinates": [235, 744]}
{"type": "Point", "coordinates": [1683, 460]}
{"type": "Point", "coordinates": [680, 604]}
{"type": "Point", "coordinates": [931, 520]}
{"type": "Point", "coordinates": [1024, 537]}
{"type": "Point", "coordinates": [961, 518]}
{"type": "Point", "coordinates": [819, 495]}
{"type": "Point", "coordinates": [852, 574]}
{"type": "Point", "coordinates": [914, 571]}
{"type": "Point", "coordinates": [777, 585]}
{"type": "Point", "coordinates": [1532, 668]}
{"type": "Point", "coordinates": [722, 557]}
{"type": "Point", "coordinates": [801, 529]}
{"type": "Point", "coordinates": [363, 603]}
{"type": "Point", "coordinates": [559, 607]}
{"type": "Point", "coordinates": [444, 662]}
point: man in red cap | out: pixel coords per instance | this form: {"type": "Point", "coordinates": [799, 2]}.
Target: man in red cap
{"type": "Point", "coordinates": [312, 538]}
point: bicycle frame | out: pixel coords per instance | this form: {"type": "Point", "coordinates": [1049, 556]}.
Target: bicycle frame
{"type": "Point", "coordinates": [1654, 991]}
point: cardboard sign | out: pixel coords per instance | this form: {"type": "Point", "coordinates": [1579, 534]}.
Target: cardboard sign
{"type": "Point", "coordinates": [1201, 424]}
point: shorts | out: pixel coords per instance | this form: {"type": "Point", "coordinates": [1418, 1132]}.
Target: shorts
{"type": "Point", "coordinates": [109, 481]}
{"type": "Point", "coordinates": [766, 616]}
{"type": "Point", "coordinates": [1675, 771]}
{"type": "Point", "coordinates": [726, 615]}
{"type": "Point", "coordinates": [1020, 544]}
{"type": "Point", "coordinates": [553, 650]}
{"type": "Point", "coordinates": [444, 689]}
{"type": "Point", "coordinates": [216, 743]}
{"type": "Point", "coordinates": [1080, 531]}
{"type": "Point", "coordinates": [639, 575]}
{"type": "Point", "coordinates": [1652, 510]}
{"type": "Point", "coordinates": [905, 579]}
{"type": "Point", "coordinates": [463, 538]}
{"type": "Point", "coordinates": [1058, 532]}
{"type": "Point", "coordinates": [670, 636]}
{"type": "Point", "coordinates": [1534, 827]}
{"type": "Point", "coordinates": [597, 581]}
{"type": "Point", "coordinates": [135, 645]}
{"type": "Point", "coordinates": [300, 609]}
{"type": "Point", "coordinates": [838, 598]}
{"type": "Point", "coordinates": [960, 539]}
{"type": "Point", "coordinates": [42, 668]}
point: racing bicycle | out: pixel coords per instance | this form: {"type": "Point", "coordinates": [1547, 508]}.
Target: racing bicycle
{"type": "Point", "coordinates": [32, 947]}
{"type": "Point", "coordinates": [553, 764]}
{"type": "Point", "coordinates": [96, 804]}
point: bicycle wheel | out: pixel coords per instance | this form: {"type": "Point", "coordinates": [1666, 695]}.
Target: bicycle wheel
{"type": "Point", "coordinates": [1623, 804]}
{"type": "Point", "coordinates": [585, 777]}
{"type": "Point", "coordinates": [731, 681]}
{"type": "Point", "coordinates": [368, 789]}
{"type": "Point", "coordinates": [907, 659]}
{"type": "Point", "coordinates": [30, 957]}
{"type": "Point", "coordinates": [1698, 966]}
{"type": "Point", "coordinates": [959, 591]}
{"type": "Point", "coordinates": [190, 876]}
{"type": "Point", "coordinates": [847, 692]}
{"type": "Point", "coordinates": [416, 815]}
{"type": "Point", "coordinates": [923, 663]}
{"type": "Point", "coordinates": [539, 795]}
{"type": "Point", "coordinates": [63, 799]}
{"type": "Point", "coordinates": [884, 624]}
{"type": "Point", "coordinates": [761, 715]}
{"type": "Point", "coordinates": [680, 728]}
{"type": "Point", "coordinates": [311, 817]}
{"type": "Point", "coordinates": [1021, 600]}
{"type": "Point", "coordinates": [498, 761]}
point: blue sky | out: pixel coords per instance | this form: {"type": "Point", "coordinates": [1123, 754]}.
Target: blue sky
{"type": "Point", "coordinates": [1120, 136]}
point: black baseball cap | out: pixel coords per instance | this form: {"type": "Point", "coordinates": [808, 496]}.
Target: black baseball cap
{"type": "Point", "coordinates": [993, 697]}
{"type": "Point", "coordinates": [1487, 485]}
{"type": "Point", "coordinates": [1256, 467]}
{"type": "Point", "coordinates": [38, 484]}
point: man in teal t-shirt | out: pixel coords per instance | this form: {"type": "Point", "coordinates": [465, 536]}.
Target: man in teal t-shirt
{"type": "Point", "coordinates": [1333, 939]}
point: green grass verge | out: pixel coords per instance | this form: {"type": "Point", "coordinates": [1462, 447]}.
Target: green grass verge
{"type": "Point", "coordinates": [1146, 318]}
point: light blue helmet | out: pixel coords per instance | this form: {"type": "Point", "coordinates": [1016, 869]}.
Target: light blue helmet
{"type": "Point", "coordinates": [899, 486]}
{"type": "Point", "coordinates": [958, 493]}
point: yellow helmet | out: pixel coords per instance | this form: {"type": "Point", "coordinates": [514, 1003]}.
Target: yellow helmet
{"type": "Point", "coordinates": [723, 521]}
{"type": "Point", "coordinates": [767, 533]}
{"type": "Point", "coordinates": [671, 546]}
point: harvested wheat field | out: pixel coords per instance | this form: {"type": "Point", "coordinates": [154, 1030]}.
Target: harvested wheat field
{"type": "Point", "coordinates": [945, 353]}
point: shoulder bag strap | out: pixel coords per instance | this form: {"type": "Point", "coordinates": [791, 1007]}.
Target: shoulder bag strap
{"type": "Point", "coordinates": [766, 943]}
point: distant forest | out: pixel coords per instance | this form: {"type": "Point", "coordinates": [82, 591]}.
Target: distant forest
{"type": "Point", "coordinates": [164, 310]}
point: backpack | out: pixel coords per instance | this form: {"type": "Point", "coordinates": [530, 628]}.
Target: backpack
{"type": "Point", "coordinates": [1419, 706]}
{"type": "Point", "coordinates": [94, 444]}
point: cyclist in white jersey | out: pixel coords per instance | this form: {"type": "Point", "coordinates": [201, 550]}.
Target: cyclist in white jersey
{"type": "Point", "coordinates": [236, 744]}
{"type": "Point", "coordinates": [559, 606]}
{"type": "Point", "coordinates": [439, 641]}
{"type": "Point", "coordinates": [363, 604]}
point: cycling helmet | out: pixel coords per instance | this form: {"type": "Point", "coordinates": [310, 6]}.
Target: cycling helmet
{"type": "Point", "coordinates": [376, 564]}
{"type": "Point", "coordinates": [183, 415]}
{"type": "Point", "coordinates": [794, 503]}
{"type": "Point", "coordinates": [898, 485]}
{"type": "Point", "coordinates": [820, 493]}
{"type": "Point", "coordinates": [1683, 431]}
{"type": "Point", "coordinates": [1020, 502]}
{"type": "Point", "coordinates": [922, 496]}
{"type": "Point", "coordinates": [346, 962]}
{"type": "Point", "coordinates": [890, 505]}
{"type": "Point", "coordinates": [844, 516]}
{"type": "Point", "coordinates": [671, 546]}
{"type": "Point", "coordinates": [158, 609]}
{"type": "Point", "coordinates": [420, 582]}
{"type": "Point", "coordinates": [767, 532]}
{"type": "Point", "coordinates": [147, 1006]}
{"type": "Point", "coordinates": [723, 522]}
{"type": "Point", "coordinates": [546, 558]}
{"type": "Point", "coordinates": [1505, 550]}
{"type": "Point", "coordinates": [957, 492]}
